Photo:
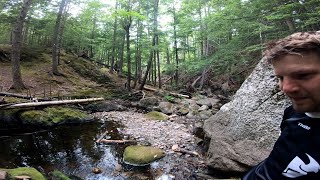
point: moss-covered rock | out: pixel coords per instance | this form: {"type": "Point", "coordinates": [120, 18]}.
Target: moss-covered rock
{"type": "Point", "coordinates": [53, 116]}
{"type": "Point", "coordinates": [155, 115]}
{"type": "Point", "coordinates": [141, 155]}
{"type": "Point", "coordinates": [31, 172]}
{"type": "Point", "coordinates": [57, 175]}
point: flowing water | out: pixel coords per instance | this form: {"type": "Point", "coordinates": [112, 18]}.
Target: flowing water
{"type": "Point", "coordinates": [70, 149]}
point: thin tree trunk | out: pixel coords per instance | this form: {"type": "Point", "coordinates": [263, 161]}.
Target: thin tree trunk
{"type": "Point", "coordinates": [55, 45]}
{"type": "Point", "coordinates": [16, 46]}
{"type": "Point", "coordinates": [158, 61]}
{"type": "Point", "coordinates": [176, 48]}
{"type": "Point", "coordinates": [114, 40]}
{"type": "Point", "coordinates": [147, 71]}
{"type": "Point", "coordinates": [120, 63]}
{"type": "Point", "coordinates": [128, 55]}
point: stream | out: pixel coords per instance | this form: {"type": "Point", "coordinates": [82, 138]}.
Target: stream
{"type": "Point", "coordinates": [70, 149]}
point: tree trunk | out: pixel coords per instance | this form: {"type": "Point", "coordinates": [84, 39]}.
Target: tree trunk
{"type": "Point", "coordinates": [16, 46]}
{"type": "Point", "coordinates": [55, 45]}
{"type": "Point", "coordinates": [147, 71]}
{"type": "Point", "coordinates": [158, 61]}
{"type": "Point", "coordinates": [114, 41]}
{"type": "Point", "coordinates": [175, 47]}
{"type": "Point", "coordinates": [120, 62]}
{"type": "Point", "coordinates": [127, 29]}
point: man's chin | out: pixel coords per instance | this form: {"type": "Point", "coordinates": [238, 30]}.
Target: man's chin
{"type": "Point", "coordinates": [303, 108]}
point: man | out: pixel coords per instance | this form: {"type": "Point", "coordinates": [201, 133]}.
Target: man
{"type": "Point", "coordinates": [296, 153]}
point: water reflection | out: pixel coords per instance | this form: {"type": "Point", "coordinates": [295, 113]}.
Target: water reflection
{"type": "Point", "coordinates": [70, 149]}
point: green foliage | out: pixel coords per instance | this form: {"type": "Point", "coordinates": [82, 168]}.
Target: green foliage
{"type": "Point", "coordinates": [235, 30]}
{"type": "Point", "coordinates": [169, 98]}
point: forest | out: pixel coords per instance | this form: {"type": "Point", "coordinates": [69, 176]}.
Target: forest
{"type": "Point", "coordinates": [103, 76]}
{"type": "Point", "coordinates": [184, 42]}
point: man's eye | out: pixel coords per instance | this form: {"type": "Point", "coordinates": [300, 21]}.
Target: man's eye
{"type": "Point", "coordinates": [303, 76]}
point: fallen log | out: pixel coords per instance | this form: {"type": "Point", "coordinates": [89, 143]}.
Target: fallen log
{"type": "Point", "coordinates": [101, 137]}
{"type": "Point", "coordinates": [49, 103]}
{"type": "Point", "coordinates": [110, 141]}
{"type": "Point", "coordinates": [15, 95]}
{"type": "Point", "coordinates": [176, 148]}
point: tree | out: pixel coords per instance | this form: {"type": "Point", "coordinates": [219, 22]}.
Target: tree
{"type": "Point", "coordinates": [16, 46]}
{"type": "Point", "coordinates": [55, 45]}
{"type": "Point", "coordinates": [114, 37]}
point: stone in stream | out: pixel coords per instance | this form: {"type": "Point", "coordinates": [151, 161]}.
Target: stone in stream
{"type": "Point", "coordinates": [138, 155]}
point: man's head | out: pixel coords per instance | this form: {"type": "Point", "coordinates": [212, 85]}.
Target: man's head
{"type": "Point", "coordinates": [296, 63]}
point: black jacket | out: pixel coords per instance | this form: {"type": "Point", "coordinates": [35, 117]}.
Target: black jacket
{"type": "Point", "coordinates": [296, 153]}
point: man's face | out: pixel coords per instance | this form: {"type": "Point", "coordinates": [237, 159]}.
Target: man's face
{"type": "Point", "coordinates": [299, 79]}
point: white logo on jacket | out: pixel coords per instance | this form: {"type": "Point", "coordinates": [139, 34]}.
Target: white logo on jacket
{"type": "Point", "coordinates": [297, 167]}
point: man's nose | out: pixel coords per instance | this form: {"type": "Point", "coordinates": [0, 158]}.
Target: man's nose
{"type": "Point", "coordinates": [288, 85]}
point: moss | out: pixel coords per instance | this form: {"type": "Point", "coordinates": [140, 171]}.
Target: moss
{"type": "Point", "coordinates": [36, 117]}
{"type": "Point", "coordinates": [66, 115]}
{"type": "Point", "coordinates": [155, 115]}
{"type": "Point", "coordinates": [32, 172]}
{"type": "Point", "coordinates": [141, 155]}
{"type": "Point", "coordinates": [57, 175]}
{"type": "Point", "coordinates": [53, 116]}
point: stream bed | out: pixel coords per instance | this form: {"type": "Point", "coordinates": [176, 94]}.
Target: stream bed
{"type": "Point", "coordinates": [70, 149]}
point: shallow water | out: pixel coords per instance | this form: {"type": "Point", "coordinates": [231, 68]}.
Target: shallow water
{"type": "Point", "coordinates": [70, 149]}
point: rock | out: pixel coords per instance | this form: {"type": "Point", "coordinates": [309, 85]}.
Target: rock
{"type": "Point", "coordinates": [208, 101]}
{"type": "Point", "coordinates": [3, 175]}
{"type": "Point", "coordinates": [141, 155]}
{"type": "Point", "coordinates": [155, 115]}
{"type": "Point", "coordinates": [205, 114]}
{"type": "Point", "coordinates": [54, 116]}
{"type": "Point", "coordinates": [193, 115]}
{"type": "Point", "coordinates": [244, 130]}
{"type": "Point", "coordinates": [203, 108]}
{"type": "Point", "coordinates": [182, 111]}
{"type": "Point", "coordinates": [96, 170]}
{"type": "Point", "coordinates": [32, 173]}
{"type": "Point", "coordinates": [104, 107]}
{"type": "Point", "coordinates": [148, 102]}
{"type": "Point", "coordinates": [166, 107]}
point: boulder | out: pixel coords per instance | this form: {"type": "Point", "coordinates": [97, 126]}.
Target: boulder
{"type": "Point", "coordinates": [166, 107]}
{"type": "Point", "coordinates": [208, 102]}
{"type": "Point", "coordinates": [52, 116]}
{"type": "Point", "coordinates": [104, 107]}
{"type": "Point", "coordinates": [141, 155]}
{"type": "Point", "coordinates": [25, 171]}
{"type": "Point", "coordinates": [155, 115]}
{"type": "Point", "coordinates": [243, 131]}
{"type": "Point", "coordinates": [3, 175]}
{"type": "Point", "coordinates": [148, 102]}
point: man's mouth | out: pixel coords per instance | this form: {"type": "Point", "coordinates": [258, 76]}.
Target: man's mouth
{"type": "Point", "coordinates": [297, 99]}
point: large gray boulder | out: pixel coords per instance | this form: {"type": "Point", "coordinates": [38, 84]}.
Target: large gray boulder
{"type": "Point", "coordinates": [244, 130]}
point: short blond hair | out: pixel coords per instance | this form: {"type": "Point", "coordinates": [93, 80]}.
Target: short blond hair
{"type": "Point", "coordinates": [297, 43]}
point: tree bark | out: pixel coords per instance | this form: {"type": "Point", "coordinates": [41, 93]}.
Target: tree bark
{"type": "Point", "coordinates": [16, 47]}
{"type": "Point", "coordinates": [114, 41]}
{"type": "Point", "coordinates": [55, 45]}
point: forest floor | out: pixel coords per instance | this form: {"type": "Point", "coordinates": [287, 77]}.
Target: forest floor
{"type": "Point", "coordinates": [177, 131]}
